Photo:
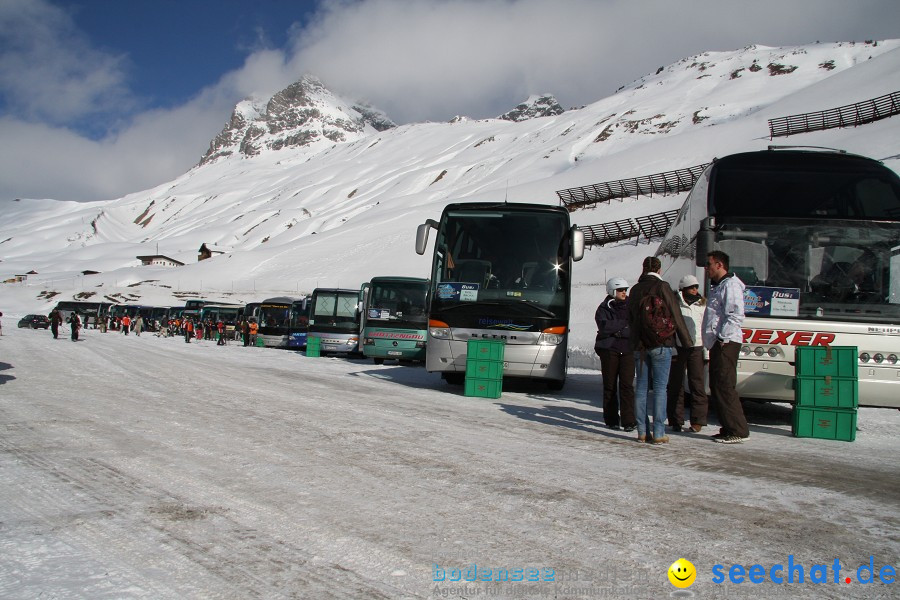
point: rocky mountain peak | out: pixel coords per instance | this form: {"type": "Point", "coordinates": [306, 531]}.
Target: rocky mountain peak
{"type": "Point", "coordinates": [301, 115]}
{"type": "Point", "coordinates": [544, 105]}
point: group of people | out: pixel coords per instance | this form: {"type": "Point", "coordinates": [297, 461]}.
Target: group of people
{"type": "Point", "coordinates": [246, 330]}
{"type": "Point", "coordinates": [652, 336]}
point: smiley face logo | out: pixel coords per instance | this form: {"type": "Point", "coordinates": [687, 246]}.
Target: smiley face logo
{"type": "Point", "coordinates": [682, 573]}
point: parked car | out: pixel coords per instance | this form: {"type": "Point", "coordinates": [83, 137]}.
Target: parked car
{"type": "Point", "coordinates": [35, 322]}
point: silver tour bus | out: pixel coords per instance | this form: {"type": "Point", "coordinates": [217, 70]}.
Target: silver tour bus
{"type": "Point", "coordinates": [334, 318]}
{"type": "Point", "coordinates": [501, 271]}
{"type": "Point", "coordinates": [815, 237]}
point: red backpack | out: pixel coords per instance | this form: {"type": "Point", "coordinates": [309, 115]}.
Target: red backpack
{"type": "Point", "coordinates": [657, 322]}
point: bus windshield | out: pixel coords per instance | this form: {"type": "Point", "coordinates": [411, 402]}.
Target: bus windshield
{"type": "Point", "coordinates": [848, 271]}
{"type": "Point", "coordinates": [397, 304]}
{"type": "Point", "coordinates": [335, 309]}
{"type": "Point", "coordinates": [274, 315]}
{"type": "Point", "coordinates": [477, 265]}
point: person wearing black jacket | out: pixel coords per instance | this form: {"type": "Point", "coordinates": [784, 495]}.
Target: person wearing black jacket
{"type": "Point", "coordinates": [616, 357]}
{"type": "Point", "coordinates": [653, 349]}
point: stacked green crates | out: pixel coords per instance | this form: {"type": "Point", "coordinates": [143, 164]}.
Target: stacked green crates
{"type": "Point", "coordinates": [484, 368]}
{"type": "Point", "coordinates": [826, 392]}
{"type": "Point", "coordinates": [313, 347]}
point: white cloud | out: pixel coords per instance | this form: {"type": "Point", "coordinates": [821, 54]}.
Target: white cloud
{"type": "Point", "coordinates": [48, 70]}
{"type": "Point", "coordinates": [416, 59]}
{"type": "Point", "coordinates": [432, 59]}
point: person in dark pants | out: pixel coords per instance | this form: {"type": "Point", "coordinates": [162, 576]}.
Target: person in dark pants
{"type": "Point", "coordinates": [75, 323]}
{"type": "Point", "coordinates": [616, 357]}
{"type": "Point", "coordinates": [245, 332]}
{"type": "Point", "coordinates": [692, 360]}
{"type": "Point", "coordinates": [55, 320]}
{"type": "Point", "coordinates": [722, 335]}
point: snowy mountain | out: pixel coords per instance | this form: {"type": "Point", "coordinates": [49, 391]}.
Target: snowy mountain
{"type": "Point", "coordinates": [302, 115]}
{"type": "Point", "coordinates": [307, 189]}
{"type": "Point", "coordinates": [544, 105]}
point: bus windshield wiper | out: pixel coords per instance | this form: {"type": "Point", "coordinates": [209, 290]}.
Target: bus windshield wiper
{"type": "Point", "coordinates": [516, 303]}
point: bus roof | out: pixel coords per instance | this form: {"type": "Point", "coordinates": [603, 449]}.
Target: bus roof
{"type": "Point", "coordinates": [504, 206]}
{"type": "Point", "coordinates": [799, 183]}
{"type": "Point", "coordinates": [383, 278]}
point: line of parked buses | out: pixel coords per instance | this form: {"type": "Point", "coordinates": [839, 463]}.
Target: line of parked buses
{"type": "Point", "coordinates": [814, 235]}
{"type": "Point", "coordinates": [387, 313]}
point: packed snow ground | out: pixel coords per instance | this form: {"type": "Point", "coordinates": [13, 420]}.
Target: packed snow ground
{"type": "Point", "coordinates": [144, 467]}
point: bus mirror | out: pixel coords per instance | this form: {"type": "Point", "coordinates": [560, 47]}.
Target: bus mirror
{"type": "Point", "coordinates": [422, 238]}
{"type": "Point", "coordinates": [705, 240]}
{"type": "Point", "coordinates": [577, 244]}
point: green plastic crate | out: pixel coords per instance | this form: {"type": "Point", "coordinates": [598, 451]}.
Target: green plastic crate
{"type": "Point", "coordinates": [313, 347]}
{"type": "Point", "coordinates": [821, 361]}
{"type": "Point", "coordinates": [483, 388]}
{"type": "Point", "coordinates": [484, 369]}
{"type": "Point", "coordinates": [485, 350]}
{"type": "Point", "coordinates": [824, 424]}
{"type": "Point", "coordinates": [826, 392]}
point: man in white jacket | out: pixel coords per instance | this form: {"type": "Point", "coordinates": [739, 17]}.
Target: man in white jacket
{"type": "Point", "coordinates": [722, 336]}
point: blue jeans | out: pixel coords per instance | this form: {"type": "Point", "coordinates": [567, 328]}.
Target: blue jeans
{"type": "Point", "coordinates": [655, 364]}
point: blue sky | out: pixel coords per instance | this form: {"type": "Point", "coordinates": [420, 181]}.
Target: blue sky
{"type": "Point", "coordinates": [99, 98]}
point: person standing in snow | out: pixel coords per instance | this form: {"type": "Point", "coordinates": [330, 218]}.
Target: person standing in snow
{"type": "Point", "coordinates": [75, 323]}
{"type": "Point", "coordinates": [692, 360]}
{"type": "Point", "coordinates": [55, 321]}
{"type": "Point", "coordinates": [188, 330]}
{"type": "Point", "coordinates": [616, 357]}
{"type": "Point", "coordinates": [655, 321]}
{"type": "Point", "coordinates": [254, 327]}
{"type": "Point", "coordinates": [220, 326]}
{"type": "Point", "coordinates": [126, 324]}
{"type": "Point", "coordinates": [245, 331]}
{"type": "Point", "coordinates": [723, 337]}
{"type": "Point", "coordinates": [138, 325]}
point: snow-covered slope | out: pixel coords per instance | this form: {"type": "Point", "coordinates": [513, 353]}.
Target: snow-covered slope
{"type": "Point", "coordinates": [344, 208]}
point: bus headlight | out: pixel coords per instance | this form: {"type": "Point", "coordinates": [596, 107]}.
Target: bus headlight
{"type": "Point", "coordinates": [438, 329]}
{"type": "Point", "coordinates": [552, 336]}
{"type": "Point", "coordinates": [550, 339]}
{"type": "Point", "coordinates": [370, 342]}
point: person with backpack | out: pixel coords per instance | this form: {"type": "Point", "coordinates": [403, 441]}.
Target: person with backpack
{"type": "Point", "coordinates": [691, 359]}
{"type": "Point", "coordinates": [616, 357]}
{"type": "Point", "coordinates": [723, 337]}
{"type": "Point", "coordinates": [654, 320]}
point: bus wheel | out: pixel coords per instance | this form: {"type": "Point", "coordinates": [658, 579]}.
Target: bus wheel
{"type": "Point", "coordinates": [378, 361]}
{"type": "Point", "coordinates": [555, 384]}
{"type": "Point", "coordinates": [454, 378]}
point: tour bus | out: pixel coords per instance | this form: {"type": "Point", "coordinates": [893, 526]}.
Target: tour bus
{"type": "Point", "coordinates": [89, 311]}
{"type": "Point", "coordinates": [814, 234]}
{"type": "Point", "coordinates": [334, 319]}
{"type": "Point", "coordinates": [282, 322]}
{"type": "Point", "coordinates": [192, 309]}
{"type": "Point", "coordinates": [251, 311]}
{"type": "Point", "coordinates": [501, 272]}
{"type": "Point", "coordinates": [393, 322]}
{"type": "Point", "coordinates": [228, 313]}
{"type": "Point", "coordinates": [299, 323]}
